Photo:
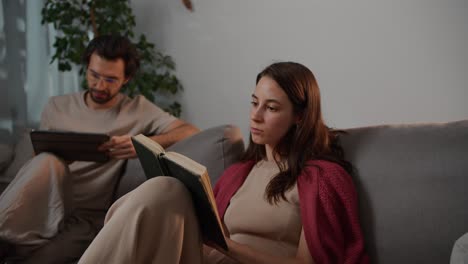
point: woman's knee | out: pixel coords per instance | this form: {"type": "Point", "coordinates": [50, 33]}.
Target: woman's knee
{"type": "Point", "coordinates": [160, 191]}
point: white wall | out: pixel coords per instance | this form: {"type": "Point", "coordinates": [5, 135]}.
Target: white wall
{"type": "Point", "coordinates": [376, 61]}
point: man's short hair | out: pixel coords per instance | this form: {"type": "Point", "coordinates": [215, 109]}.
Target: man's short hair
{"type": "Point", "coordinates": [113, 47]}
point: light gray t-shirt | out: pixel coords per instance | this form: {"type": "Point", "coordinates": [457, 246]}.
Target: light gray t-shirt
{"type": "Point", "coordinates": [94, 183]}
{"type": "Point", "coordinates": [251, 220]}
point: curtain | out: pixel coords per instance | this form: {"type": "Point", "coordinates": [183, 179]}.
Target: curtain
{"type": "Point", "coordinates": [27, 78]}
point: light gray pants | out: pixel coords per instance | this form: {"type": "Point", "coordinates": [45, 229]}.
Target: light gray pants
{"type": "Point", "coordinates": [37, 216]}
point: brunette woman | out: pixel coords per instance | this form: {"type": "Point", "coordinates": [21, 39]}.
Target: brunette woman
{"type": "Point", "coordinates": [291, 200]}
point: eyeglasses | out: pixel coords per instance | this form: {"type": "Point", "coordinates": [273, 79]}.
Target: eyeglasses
{"type": "Point", "coordinates": [95, 77]}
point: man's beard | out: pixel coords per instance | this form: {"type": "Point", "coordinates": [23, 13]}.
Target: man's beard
{"type": "Point", "coordinates": [100, 97]}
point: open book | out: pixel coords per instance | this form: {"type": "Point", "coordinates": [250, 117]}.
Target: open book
{"type": "Point", "coordinates": [157, 162]}
{"type": "Point", "coordinates": [70, 146]}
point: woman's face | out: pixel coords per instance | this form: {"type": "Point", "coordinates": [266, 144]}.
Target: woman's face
{"type": "Point", "coordinates": [271, 114]}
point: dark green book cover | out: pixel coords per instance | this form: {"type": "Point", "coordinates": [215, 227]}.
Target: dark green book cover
{"type": "Point", "coordinates": [149, 160]}
{"type": "Point", "coordinates": [156, 162]}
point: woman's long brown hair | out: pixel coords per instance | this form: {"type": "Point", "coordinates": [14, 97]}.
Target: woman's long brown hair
{"type": "Point", "coordinates": [311, 139]}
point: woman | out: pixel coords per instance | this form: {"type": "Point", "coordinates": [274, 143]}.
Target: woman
{"type": "Point", "coordinates": [290, 201]}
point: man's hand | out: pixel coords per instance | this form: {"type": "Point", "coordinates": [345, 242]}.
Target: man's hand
{"type": "Point", "coordinates": [119, 147]}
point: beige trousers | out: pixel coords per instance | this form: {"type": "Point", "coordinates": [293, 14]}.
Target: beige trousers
{"type": "Point", "coordinates": [155, 223]}
{"type": "Point", "coordinates": [37, 216]}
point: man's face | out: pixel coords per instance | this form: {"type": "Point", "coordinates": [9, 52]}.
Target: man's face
{"type": "Point", "coordinates": [105, 79]}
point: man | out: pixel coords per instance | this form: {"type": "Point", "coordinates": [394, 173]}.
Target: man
{"type": "Point", "coordinates": [53, 209]}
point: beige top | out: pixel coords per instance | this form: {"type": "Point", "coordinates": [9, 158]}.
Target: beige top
{"type": "Point", "coordinates": [94, 183]}
{"type": "Point", "coordinates": [251, 220]}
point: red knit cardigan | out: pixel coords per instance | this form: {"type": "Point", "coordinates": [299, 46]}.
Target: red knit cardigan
{"type": "Point", "coordinates": [329, 209]}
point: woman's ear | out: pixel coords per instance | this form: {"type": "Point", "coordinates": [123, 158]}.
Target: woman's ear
{"type": "Point", "coordinates": [298, 119]}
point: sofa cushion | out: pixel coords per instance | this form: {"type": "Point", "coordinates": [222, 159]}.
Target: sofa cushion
{"type": "Point", "coordinates": [22, 153]}
{"type": "Point", "coordinates": [215, 148]}
{"type": "Point", "coordinates": [412, 182]}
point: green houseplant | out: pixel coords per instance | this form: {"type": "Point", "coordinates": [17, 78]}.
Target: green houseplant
{"type": "Point", "coordinates": [77, 20]}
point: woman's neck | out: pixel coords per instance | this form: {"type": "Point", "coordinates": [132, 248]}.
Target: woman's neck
{"type": "Point", "coordinates": [270, 156]}
{"type": "Point", "coordinates": [269, 153]}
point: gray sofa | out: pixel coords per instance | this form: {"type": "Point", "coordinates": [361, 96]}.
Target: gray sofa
{"type": "Point", "coordinates": [411, 181]}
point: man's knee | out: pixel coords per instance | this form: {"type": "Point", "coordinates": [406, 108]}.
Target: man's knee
{"type": "Point", "coordinates": [49, 158]}
{"type": "Point", "coordinates": [45, 166]}
{"type": "Point", "coordinates": [50, 162]}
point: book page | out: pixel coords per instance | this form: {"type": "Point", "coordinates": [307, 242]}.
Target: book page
{"type": "Point", "coordinates": [149, 143]}
{"type": "Point", "coordinates": [206, 182]}
{"type": "Point", "coordinates": [186, 162]}
{"type": "Point", "coordinates": [200, 170]}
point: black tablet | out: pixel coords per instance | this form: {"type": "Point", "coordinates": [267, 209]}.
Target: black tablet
{"type": "Point", "coordinates": [70, 146]}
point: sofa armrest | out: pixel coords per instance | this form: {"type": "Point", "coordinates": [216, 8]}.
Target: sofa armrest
{"type": "Point", "coordinates": [216, 148]}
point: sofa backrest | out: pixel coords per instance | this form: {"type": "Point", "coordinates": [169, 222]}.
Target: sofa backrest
{"type": "Point", "coordinates": [412, 181]}
{"type": "Point", "coordinates": [217, 148]}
